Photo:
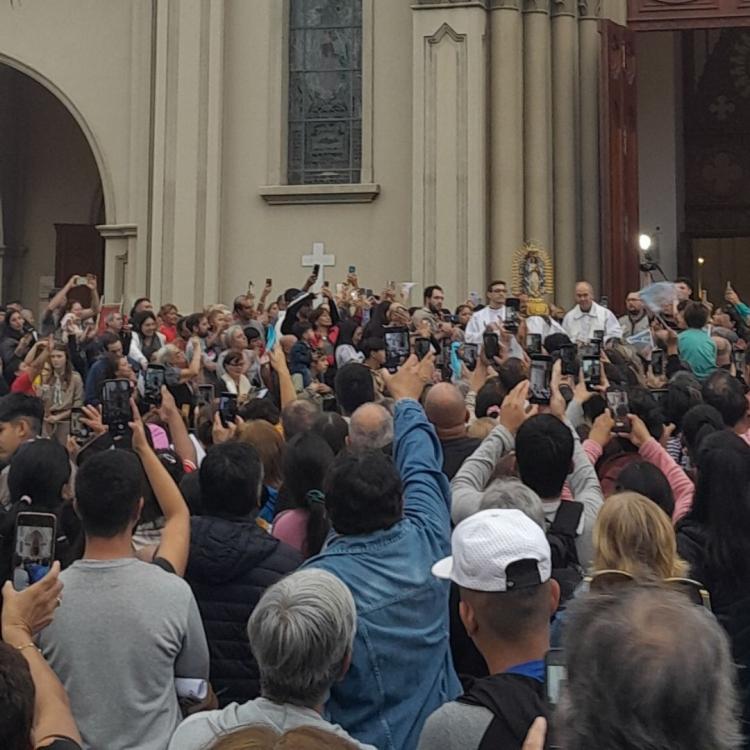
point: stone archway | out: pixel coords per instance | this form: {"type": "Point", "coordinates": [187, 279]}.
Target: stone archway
{"type": "Point", "coordinates": [52, 172]}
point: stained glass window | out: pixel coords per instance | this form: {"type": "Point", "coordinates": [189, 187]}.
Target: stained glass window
{"type": "Point", "coordinates": [325, 91]}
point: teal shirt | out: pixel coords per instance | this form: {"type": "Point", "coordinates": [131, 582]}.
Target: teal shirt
{"type": "Point", "coordinates": [699, 351]}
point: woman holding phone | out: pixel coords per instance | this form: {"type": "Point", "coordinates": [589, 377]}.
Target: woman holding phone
{"type": "Point", "coordinates": [233, 380]}
{"type": "Point", "coordinates": [146, 339]}
{"type": "Point", "coordinates": [61, 391]}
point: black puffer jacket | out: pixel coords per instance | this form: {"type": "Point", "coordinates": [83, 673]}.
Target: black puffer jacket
{"type": "Point", "coordinates": [232, 562]}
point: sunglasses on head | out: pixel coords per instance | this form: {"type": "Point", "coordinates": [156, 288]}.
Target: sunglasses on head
{"type": "Point", "coordinates": [606, 580]}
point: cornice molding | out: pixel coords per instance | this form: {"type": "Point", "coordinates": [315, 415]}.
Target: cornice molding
{"type": "Point", "coordinates": [564, 8]}
{"type": "Point", "coordinates": [536, 6]}
{"type": "Point", "coordinates": [589, 8]}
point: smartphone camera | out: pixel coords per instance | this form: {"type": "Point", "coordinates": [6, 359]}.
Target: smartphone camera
{"type": "Point", "coordinates": [592, 372]}
{"type": "Point", "coordinates": [540, 376]}
{"type": "Point", "coordinates": [739, 361]}
{"type": "Point", "coordinates": [534, 343]}
{"type": "Point", "coordinates": [227, 408]}
{"type": "Point", "coordinates": [204, 396]}
{"type": "Point", "coordinates": [33, 548]}
{"type": "Point", "coordinates": [468, 354]}
{"type": "Point", "coordinates": [556, 675]}
{"type": "Point", "coordinates": [491, 345]}
{"type": "Point", "coordinates": [569, 359]}
{"type": "Point", "coordinates": [153, 380]}
{"type": "Point", "coordinates": [397, 347]}
{"type": "Point", "coordinates": [422, 347]}
{"type": "Point", "coordinates": [512, 314]}
{"type": "Point", "coordinates": [78, 429]}
{"type": "Point", "coordinates": [115, 398]}
{"type": "Point", "coordinates": [618, 404]}
{"type": "Point", "coordinates": [598, 335]}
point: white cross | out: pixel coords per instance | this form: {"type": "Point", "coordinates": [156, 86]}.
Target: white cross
{"type": "Point", "coordinates": [319, 258]}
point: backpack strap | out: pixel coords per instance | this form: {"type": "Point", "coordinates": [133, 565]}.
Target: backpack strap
{"type": "Point", "coordinates": [567, 519]}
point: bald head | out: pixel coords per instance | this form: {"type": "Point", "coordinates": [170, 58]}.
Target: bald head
{"type": "Point", "coordinates": [370, 428]}
{"type": "Point", "coordinates": [287, 342]}
{"type": "Point", "coordinates": [446, 409]}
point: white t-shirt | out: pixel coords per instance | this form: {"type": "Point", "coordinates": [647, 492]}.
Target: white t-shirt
{"type": "Point", "coordinates": [202, 730]}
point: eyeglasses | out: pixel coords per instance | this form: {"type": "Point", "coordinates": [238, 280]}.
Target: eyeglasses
{"type": "Point", "coordinates": [604, 580]}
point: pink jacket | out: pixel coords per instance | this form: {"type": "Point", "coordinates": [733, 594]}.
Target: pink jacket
{"type": "Point", "coordinates": [653, 452]}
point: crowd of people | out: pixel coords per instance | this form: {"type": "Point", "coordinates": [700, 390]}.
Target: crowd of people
{"type": "Point", "coordinates": [330, 519]}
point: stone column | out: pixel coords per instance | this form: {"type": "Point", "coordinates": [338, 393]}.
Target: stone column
{"type": "Point", "coordinates": [506, 136]}
{"type": "Point", "coordinates": [450, 154]}
{"type": "Point", "coordinates": [589, 53]}
{"type": "Point", "coordinates": [537, 107]}
{"type": "Point", "coordinates": [185, 237]}
{"type": "Point", "coordinates": [119, 248]}
{"type": "Point", "coordinates": [565, 146]}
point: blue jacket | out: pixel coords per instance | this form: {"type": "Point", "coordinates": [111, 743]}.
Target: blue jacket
{"type": "Point", "coordinates": [401, 667]}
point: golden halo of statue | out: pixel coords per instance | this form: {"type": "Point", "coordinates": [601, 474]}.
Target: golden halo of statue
{"type": "Point", "coordinates": [533, 277]}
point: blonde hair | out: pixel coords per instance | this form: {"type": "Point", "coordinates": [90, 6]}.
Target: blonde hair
{"type": "Point", "coordinates": [481, 427]}
{"type": "Point", "coordinates": [262, 737]}
{"type": "Point", "coordinates": [633, 534]}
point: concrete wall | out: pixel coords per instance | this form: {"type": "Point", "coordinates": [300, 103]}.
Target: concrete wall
{"type": "Point", "coordinates": [660, 142]}
{"type": "Point", "coordinates": [259, 239]}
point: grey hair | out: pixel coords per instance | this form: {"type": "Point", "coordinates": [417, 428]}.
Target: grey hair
{"type": "Point", "coordinates": [512, 493]}
{"type": "Point", "coordinates": [633, 684]}
{"type": "Point", "coordinates": [301, 632]}
{"type": "Point", "coordinates": [230, 332]}
{"type": "Point", "coordinates": [164, 355]}
{"type": "Point", "coordinates": [363, 437]}
{"type": "Point", "coordinates": [298, 416]}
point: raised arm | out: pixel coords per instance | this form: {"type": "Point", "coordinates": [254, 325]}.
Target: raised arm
{"type": "Point", "coordinates": [175, 536]}
{"type": "Point", "coordinates": [60, 298]}
{"type": "Point", "coordinates": [25, 613]}
{"type": "Point", "coordinates": [417, 452]}
{"type": "Point", "coordinates": [93, 311]}
{"type": "Point", "coordinates": [170, 414]}
{"type": "Point", "coordinates": [194, 368]}
{"type": "Point", "coordinates": [287, 391]}
{"type": "Point", "coordinates": [472, 478]}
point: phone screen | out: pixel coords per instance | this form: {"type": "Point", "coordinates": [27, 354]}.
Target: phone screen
{"type": "Point", "coordinates": [153, 381]}
{"type": "Point", "coordinates": [422, 347]}
{"type": "Point", "coordinates": [618, 404]}
{"type": "Point", "coordinates": [491, 344]}
{"type": "Point", "coordinates": [534, 343]}
{"type": "Point", "coordinates": [227, 408]}
{"type": "Point", "coordinates": [316, 269]}
{"type": "Point", "coordinates": [33, 548]}
{"type": "Point", "coordinates": [397, 347]}
{"type": "Point", "coordinates": [595, 348]}
{"type": "Point", "coordinates": [352, 269]}
{"type": "Point", "coordinates": [77, 427]}
{"type": "Point", "coordinates": [540, 373]}
{"type": "Point", "coordinates": [205, 395]}
{"type": "Point", "coordinates": [592, 371]}
{"type": "Point", "coordinates": [569, 358]}
{"type": "Point", "coordinates": [115, 399]}
{"type": "Point", "coordinates": [556, 675]}
{"type": "Point", "coordinates": [512, 314]}
{"type": "Point", "coordinates": [468, 354]}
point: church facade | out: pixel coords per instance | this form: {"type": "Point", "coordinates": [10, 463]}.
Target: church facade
{"type": "Point", "coordinates": [184, 147]}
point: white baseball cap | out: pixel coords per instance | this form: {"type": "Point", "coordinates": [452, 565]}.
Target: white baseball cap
{"type": "Point", "coordinates": [497, 550]}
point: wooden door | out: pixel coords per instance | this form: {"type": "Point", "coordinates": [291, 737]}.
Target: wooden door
{"type": "Point", "coordinates": [619, 164]}
{"type": "Point", "coordinates": [79, 250]}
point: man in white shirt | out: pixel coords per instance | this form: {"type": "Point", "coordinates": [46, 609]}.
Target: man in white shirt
{"type": "Point", "coordinates": [493, 313]}
{"type": "Point", "coordinates": [587, 317]}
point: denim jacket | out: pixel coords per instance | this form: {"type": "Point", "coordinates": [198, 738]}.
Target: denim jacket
{"type": "Point", "coordinates": [401, 667]}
